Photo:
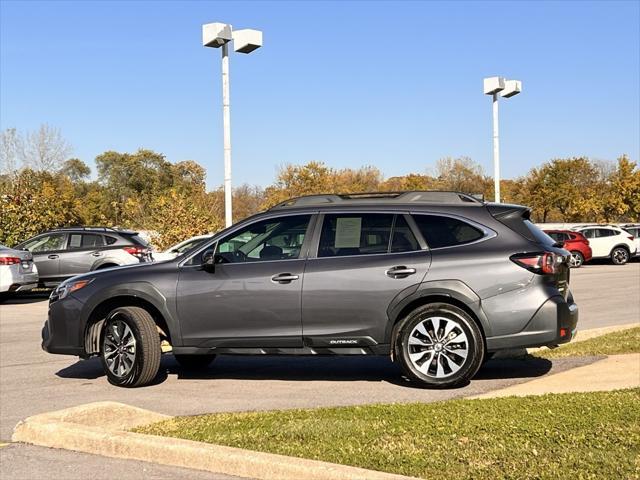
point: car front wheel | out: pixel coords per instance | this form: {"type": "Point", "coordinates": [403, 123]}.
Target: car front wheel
{"type": "Point", "coordinates": [130, 350]}
{"type": "Point", "coordinates": [439, 345]}
{"type": "Point", "coordinates": [619, 256]}
{"type": "Point", "coordinates": [576, 260]}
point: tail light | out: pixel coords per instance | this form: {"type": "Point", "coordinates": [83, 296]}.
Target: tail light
{"type": "Point", "coordinates": [136, 251]}
{"type": "Point", "coordinates": [9, 260]}
{"type": "Point", "coordinates": [632, 238]}
{"type": "Point", "coordinates": [545, 263]}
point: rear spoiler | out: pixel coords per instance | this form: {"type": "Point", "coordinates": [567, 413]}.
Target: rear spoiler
{"type": "Point", "coordinates": [513, 216]}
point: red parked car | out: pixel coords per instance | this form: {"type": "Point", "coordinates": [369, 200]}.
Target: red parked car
{"type": "Point", "coordinates": [575, 242]}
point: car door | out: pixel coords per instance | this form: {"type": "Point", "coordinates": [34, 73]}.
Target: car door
{"type": "Point", "coordinates": [600, 245]}
{"type": "Point", "coordinates": [80, 254]}
{"type": "Point", "coordinates": [46, 250]}
{"type": "Point", "coordinates": [252, 298]}
{"type": "Point", "coordinates": [359, 264]}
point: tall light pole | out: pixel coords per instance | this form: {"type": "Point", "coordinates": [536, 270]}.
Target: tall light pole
{"type": "Point", "coordinates": [218, 35]}
{"type": "Point", "coordinates": [505, 88]}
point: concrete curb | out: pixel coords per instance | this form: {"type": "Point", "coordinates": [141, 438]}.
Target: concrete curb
{"type": "Point", "coordinates": [611, 373]}
{"type": "Point", "coordinates": [99, 428]}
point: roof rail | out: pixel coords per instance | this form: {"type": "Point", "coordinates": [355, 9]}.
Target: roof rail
{"type": "Point", "coordinates": [92, 228]}
{"type": "Point", "coordinates": [417, 196]}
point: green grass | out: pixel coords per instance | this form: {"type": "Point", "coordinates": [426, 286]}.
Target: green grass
{"type": "Point", "coordinates": [624, 341]}
{"type": "Point", "coordinates": [581, 435]}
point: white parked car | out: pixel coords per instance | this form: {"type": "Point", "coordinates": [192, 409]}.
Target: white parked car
{"type": "Point", "coordinates": [609, 241]}
{"type": "Point", "coordinates": [179, 248]}
{"type": "Point", "coordinates": [18, 273]}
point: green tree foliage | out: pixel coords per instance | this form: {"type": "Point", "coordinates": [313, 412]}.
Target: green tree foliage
{"type": "Point", "coordinates": [32, 202]}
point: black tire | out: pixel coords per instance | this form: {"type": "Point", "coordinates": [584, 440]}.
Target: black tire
{"type": "Point", "coordinates": [620, 256]}
{"type": "Point", "coordinates": [464, 324]}
{"type": "Point", "coordinates": [146, 353]}
{"type": "Point", "coordinates": [194, 362]}
{"type": "Point", "coordinates": [577, 259]}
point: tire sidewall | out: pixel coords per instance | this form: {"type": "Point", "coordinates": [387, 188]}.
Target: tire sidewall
{"type": "Point", "coordinates": [130, 378]}
{"type": "Point", "coordinates": [471, 329]}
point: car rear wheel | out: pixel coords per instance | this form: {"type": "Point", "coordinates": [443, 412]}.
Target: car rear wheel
{"type": "Point", "coordinates": [576, 260]}
{"type": "Point", "coordinates": [194, 362]}
{"type": "Point", "coordinates": [439, 345]}
{"type": "Point", "coordinates": [130, 350]}
{"type": "Point", "coordinates": [619, 256]}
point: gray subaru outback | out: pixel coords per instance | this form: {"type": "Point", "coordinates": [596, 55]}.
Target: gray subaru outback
{"type": "Point", "coordinates": [437, 281]}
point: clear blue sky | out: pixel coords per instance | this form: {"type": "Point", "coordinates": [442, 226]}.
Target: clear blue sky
{"type": "Point", "coordinates": [393, 85]}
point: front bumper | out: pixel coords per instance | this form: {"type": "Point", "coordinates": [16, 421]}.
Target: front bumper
{"type": "Point", "coordinates": [554, 323]}
{"type": "Point", "coordinates": [62, 332]}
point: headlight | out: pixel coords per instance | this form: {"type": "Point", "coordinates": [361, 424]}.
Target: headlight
{"type": "Point", "coordinates": [65, 289]}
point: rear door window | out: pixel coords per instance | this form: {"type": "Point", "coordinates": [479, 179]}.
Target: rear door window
{"type": "Point", "coordinates": [347, 234]}
{"type": "Point", "coordinates": [440, 231]}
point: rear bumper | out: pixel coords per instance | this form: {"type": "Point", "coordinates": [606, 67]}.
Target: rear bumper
{"type": "Point", "coordinates": [554, 323]}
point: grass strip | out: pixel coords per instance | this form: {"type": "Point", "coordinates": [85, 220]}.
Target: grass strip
{"type": "Point", "coordinates": [615, 343]}
{"type": "Point", "coordinates": [581, 435]}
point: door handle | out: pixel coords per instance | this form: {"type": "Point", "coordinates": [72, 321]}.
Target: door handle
{"type": "Point", "coordinates": [96, 254]}
{"type": "Point", "coordinates": [53, 257]}
{"type": "Point", "coordinates": [284, 278]}
{"type": "Point", "coordinates": [400, 272]}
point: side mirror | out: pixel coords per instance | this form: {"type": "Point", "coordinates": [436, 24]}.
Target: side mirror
{"type": "Point", "coordinates": [208, 261]}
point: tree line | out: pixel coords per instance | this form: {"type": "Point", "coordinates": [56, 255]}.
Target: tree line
{"type": "Point", "coordinates": [40, 189]}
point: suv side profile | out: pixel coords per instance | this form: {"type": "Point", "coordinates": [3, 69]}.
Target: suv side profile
{"type": "Point", "coordinates": [438, 281]}
{"type": "Point", "coordinates": [66, 252]}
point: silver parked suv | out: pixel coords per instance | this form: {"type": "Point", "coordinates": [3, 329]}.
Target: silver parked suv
{"type": "Point", "coordinates": [438, 281]}
{"type": "Point", "coordinates": [66, 252]}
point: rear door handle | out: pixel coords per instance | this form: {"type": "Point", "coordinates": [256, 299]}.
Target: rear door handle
{"type": "Point", "coordinates": [53, 257]}
{"type": "Point", "coordinates": [284, 278]}
{"type": "Point", "coordinates": [400, 272]}
{"type": "Point", "coordinates": [96, 254]}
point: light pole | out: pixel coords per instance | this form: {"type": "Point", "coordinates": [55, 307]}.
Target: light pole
{"type": "Point", "coordinates": [218, 35]}
{"type": "Point", "coordinates": [506, 88]}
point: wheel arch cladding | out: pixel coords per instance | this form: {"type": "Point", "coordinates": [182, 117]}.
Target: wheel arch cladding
{"type": "Point", "coordinates": [100, 311]}
{"type": "Point", "coordinates": [453, 292]}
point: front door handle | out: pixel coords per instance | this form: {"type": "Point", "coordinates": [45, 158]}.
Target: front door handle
{"type": "Point", "coordinates": [284, 278]}
{"type": "Point", "coordinates": [400, 272]}
{"type": "Point", "coordinates": [53, 257]}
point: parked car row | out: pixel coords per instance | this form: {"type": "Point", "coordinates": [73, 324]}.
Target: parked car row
{"type": "Point", "coordinates": [586, 242]}
{"type": "Point", "coordinates": [51, 257]}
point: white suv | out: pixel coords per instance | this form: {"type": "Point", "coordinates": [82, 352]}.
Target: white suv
{"type": "Point", "coordinates": [609, 241]}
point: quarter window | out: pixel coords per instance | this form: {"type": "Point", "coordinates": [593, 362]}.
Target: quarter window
{"type": "Point", "coordinates": [441, 231]}
{"type": "Point", "coordinates": [271, 239]}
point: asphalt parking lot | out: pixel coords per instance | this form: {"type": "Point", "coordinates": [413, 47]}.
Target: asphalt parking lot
{"type": "Point", "coordinates": [32, 381]}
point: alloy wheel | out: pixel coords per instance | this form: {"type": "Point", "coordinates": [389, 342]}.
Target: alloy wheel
{"type": "Point", "coordinates": [438, 347]}
{"type": "Point", "coordinates": [119, 348]}
{"type": "Point", "coordinates": [620, 256]}
{"type": "Point", "coordinates": [575, 260]}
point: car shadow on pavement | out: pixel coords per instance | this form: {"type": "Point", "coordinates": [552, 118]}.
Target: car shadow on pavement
{"type": "Point", "coordinates": [341, 369]}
